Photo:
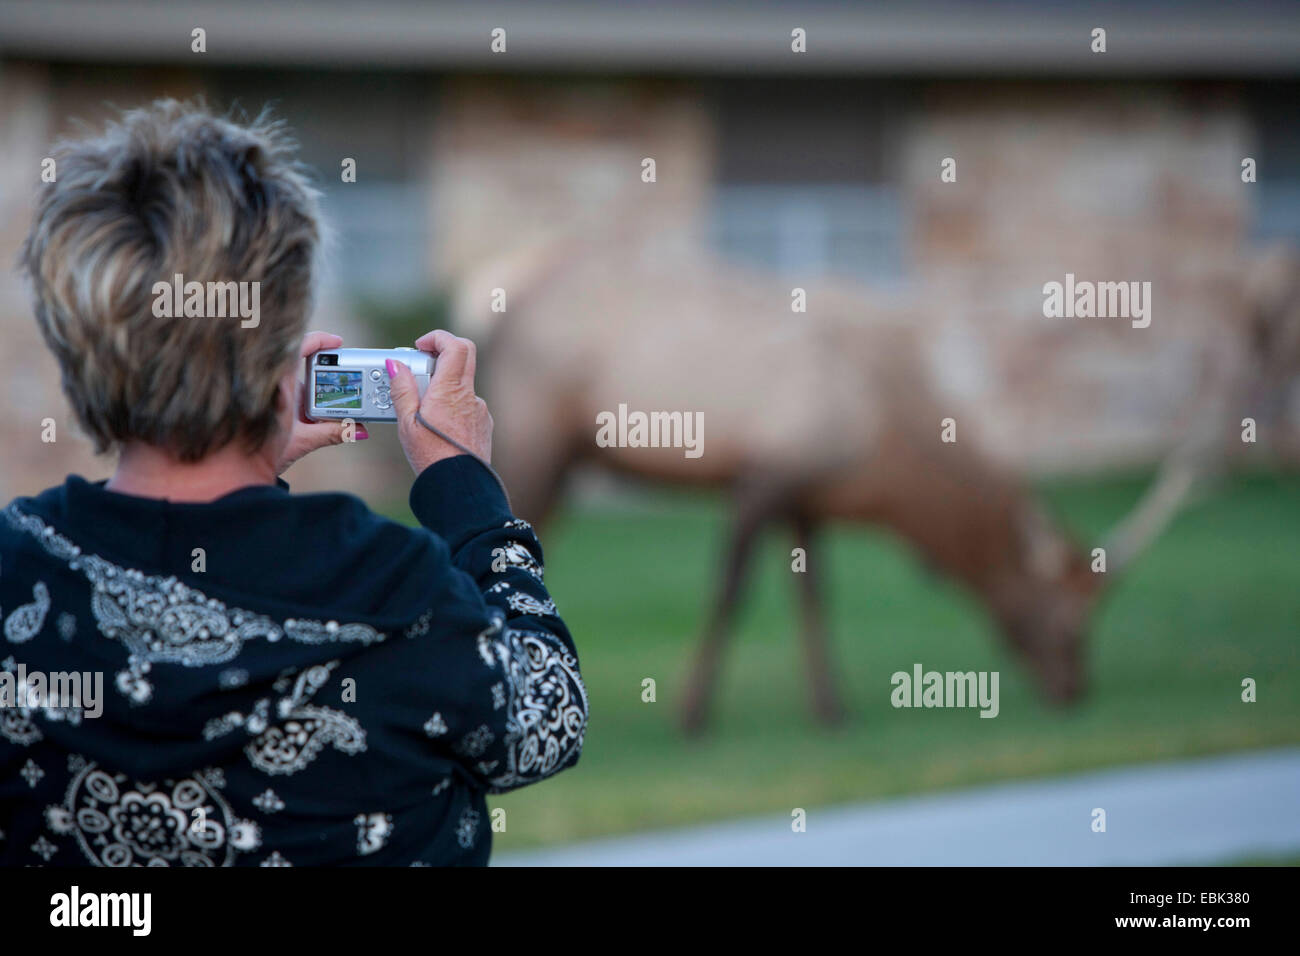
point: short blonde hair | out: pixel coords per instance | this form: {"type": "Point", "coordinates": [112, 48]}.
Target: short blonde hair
{"type": "Point", "coordinates": [171, 189]}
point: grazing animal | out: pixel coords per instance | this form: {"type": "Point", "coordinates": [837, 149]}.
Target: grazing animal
{"type": "Point", "coordinates": [808, 419]}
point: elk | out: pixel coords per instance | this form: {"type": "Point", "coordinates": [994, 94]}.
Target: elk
{"type": "Point", "coordinates": [808, 419]}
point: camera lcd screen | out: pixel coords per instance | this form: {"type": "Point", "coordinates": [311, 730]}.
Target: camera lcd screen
{"type": "Point", "coordinates": [337, 389]}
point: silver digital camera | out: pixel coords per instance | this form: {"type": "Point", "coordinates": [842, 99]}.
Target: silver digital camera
{"type": "Point", "coordinates": [353, 383]}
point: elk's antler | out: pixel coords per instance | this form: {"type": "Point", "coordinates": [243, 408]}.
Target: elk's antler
{"type": "Point", "coordinates": [1178, 477]}
{"type": "Point", "coordinates": [1270, 354]}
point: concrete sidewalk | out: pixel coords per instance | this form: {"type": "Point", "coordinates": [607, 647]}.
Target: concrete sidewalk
{"type": "Point", "coordinates": [1205, 811]}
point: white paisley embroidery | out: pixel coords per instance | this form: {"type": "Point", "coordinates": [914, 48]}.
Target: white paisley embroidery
{"type": "Point", "coordinates": [467, 827]}
{"type": "Point", "coordinates": [421, 625]}
{"type": "Point", "coordinates": [268, 801]}
{"type": "Point", "coordinates": [44, 849]}
{"type": "Point", "coordinates": [17, 727]}
{"type": "Point", "coordinates": [16, 723]}
{"type": "Point", "coordinates": [476, 742]}
{"type": "Point", "coordinates": [159, 618]}
{"type": "Point", "coordinates": [435, 726]}
{"type": "Point", "coordinates": [22, 701]}
{"type": "Point", "coordinates": [303, 728]}
{"type": "Point", "coordinates": [184, 822]}
{"type": "Point", "coordinates": [516, 555]}
{"type": "Point", "coordinates": [373, 831]}
{"type": "Point", "coordinates": [546, 712]}
{"type": "Point", "coordinates": [527, 604]}
{"type": "Point", "coordinates": [32, 773]}
{"type": "Point", "coordinates": [26, 621]}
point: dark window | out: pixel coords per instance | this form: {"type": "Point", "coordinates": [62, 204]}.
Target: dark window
{"type": "Point", "coordinates": [1277, 156]}
{"type": "Point", "coordinates": [807, 181]}
{"type": "Point", "coordinates": [382, 241]}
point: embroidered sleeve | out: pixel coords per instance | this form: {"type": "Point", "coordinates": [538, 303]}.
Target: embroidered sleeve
{"type": "Point", "coordinates": [517, 712]}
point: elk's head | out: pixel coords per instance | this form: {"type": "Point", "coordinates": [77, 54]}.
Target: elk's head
{"type": "Point", "coordinates": [1045, 596]}
{"type": "Point", "coordinates": [1043, 601]}
{"type": "Point", "coordinates": [1046, 601]}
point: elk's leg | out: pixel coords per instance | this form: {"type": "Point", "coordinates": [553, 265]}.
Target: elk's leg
{"type": "Point", "coordinates": [751, 513]}
{"type": "Point", "coordinates": [825, 699]}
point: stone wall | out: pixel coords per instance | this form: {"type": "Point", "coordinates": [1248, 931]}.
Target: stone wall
{"type": "Point", "coordinates": [29, 378]}
{"type": "Point", "coordinates": [1115, 182]}
{"type": "Point", "coordinates": [1108, 183]}
{"type": "Point", "coordinates": [518, 160]}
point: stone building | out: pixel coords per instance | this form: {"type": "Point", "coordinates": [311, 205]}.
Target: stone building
{"type": "Point", "coordinates": [813, 166]}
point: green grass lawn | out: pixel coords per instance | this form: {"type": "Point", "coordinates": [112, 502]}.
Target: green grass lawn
{"type": "Point", "coordinates": [1216, 599]}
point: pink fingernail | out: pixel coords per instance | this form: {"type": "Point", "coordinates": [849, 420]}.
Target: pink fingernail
{"type": "Point", "coordinates": [391, 366]}
{"type": "Point", "coordinates": [361, 434]}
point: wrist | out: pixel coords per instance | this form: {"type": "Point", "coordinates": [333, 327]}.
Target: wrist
{"type": "Point", "coordinates": [444, 445]}
{"type": "Point", "coordinates": [427, 457]}
{"type": "Point", "coordinates": [424, 448]}
{"type": "Point", "coordinates": [458, 497]}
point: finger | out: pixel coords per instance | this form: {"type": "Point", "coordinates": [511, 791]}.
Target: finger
{"type": "Point", "coordinates": [471, 363]}
{"type": "Point", "coordinates": [433, 341]}
{"type": "Point", "coordinates": [313, 342]}
{"type": "Point", "coordinates": [402, 387]}
{"type": "Point", "coordinates": [328, 433]}
{"type": "Point", "coordinates": [456, 359]}
{"type": "Point", "coordinates": [440, 341]}
{"type": "Point", "coordinates": [451, 350]}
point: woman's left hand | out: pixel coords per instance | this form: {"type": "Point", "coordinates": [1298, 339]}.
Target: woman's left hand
{"type": "Point", "coordinates": [307, 435]}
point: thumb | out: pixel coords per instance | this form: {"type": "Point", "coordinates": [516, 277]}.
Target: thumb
{"type": "Point", "coordinates": [336, 433]}
{"type": "Point", "coordinates": [321, 434]}
{"type": "Point", "coordinates": [406, 396]}
{"type": "Point", "coordinates": [308, 437]}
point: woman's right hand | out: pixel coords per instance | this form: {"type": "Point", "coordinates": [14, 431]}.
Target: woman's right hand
{"type": "Point", "coordinates": [449, 403]}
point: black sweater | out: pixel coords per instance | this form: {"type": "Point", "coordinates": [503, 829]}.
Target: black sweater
{"type": "Point", "coordinates": [317, 685]}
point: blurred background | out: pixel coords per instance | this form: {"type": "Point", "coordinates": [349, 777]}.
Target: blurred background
{"type": "Point", "coordinates": [817, 170]}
